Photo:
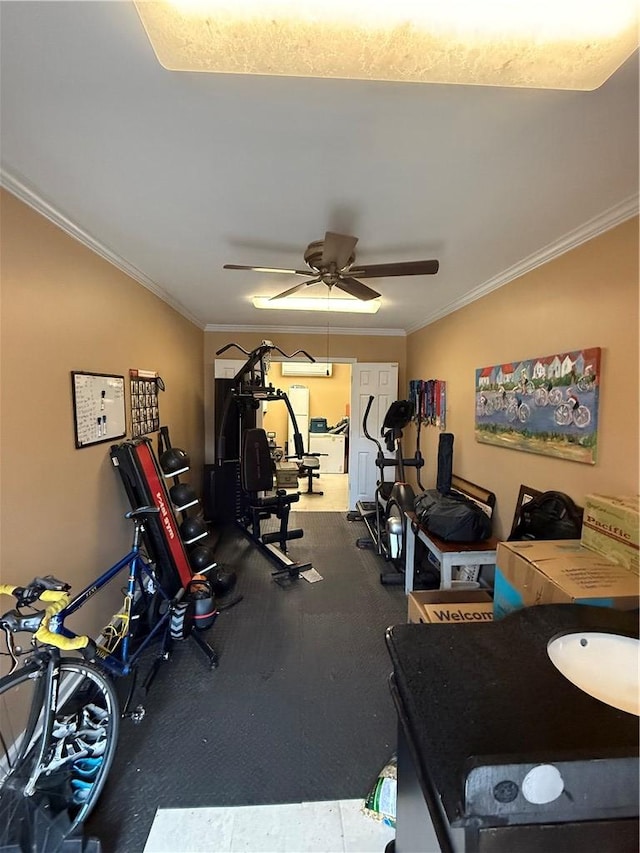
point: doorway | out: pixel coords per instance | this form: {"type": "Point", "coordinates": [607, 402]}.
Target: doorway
{"type": "Point", "coordinates": [322, 404]}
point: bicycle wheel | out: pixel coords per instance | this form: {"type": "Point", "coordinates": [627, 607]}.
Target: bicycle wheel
{"type": "Point", "coordinates": [582, 417]}
{"type": "Point", "coordinates": [53, 799]}
{"type": "Point", "coordinates": [563, 415]}
{"type": "Point", "coordinates": [555, 396]}
{"type": "Point", "coordinates": [523, 412]}
{"type": "Point", "coordinates": [540, 397]}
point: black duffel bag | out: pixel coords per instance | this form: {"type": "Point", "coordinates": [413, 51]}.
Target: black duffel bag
{"type": "Point", "coordinates": [452, 516]}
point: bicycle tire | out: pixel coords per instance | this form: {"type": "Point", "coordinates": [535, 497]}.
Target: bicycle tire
{"type": "Point", "coordinates": [523, 412]}
{"type": "Point", "coordinates": [563, 415]}
{"type": "Point", "coordinates": [582, 417]}
{"type": "Point", "coordinates": [66, 791]}
{"type": "Point", "coordinates": [512, 410]}
{"type": "Point", "coordinates": [540, 397]}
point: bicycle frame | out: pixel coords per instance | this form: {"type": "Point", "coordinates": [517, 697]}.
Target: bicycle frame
{"type": "Point", "coordinates": [123, 663]}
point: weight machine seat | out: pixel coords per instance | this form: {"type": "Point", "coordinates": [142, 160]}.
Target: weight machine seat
{"type": "Point", "coordinates": [307, 466]}
{"type": "Point", "coordinates": [256, 472]}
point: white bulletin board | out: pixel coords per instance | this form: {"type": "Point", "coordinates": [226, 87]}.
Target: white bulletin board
{"type": "Point", "coordinates": [98, 407]}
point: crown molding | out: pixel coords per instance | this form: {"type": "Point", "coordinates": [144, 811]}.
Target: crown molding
{"type": "Point", "coordinates": [19, 188]}
{"type": "Point", "coordinates": [306, 330]}
{"type": "Point", "coordinates": [592, 228]}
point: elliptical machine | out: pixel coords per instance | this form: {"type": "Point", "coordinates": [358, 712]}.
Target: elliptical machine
{"type": "Point", "coordinates": [384, 517]}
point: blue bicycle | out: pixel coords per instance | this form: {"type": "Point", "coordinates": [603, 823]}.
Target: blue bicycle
{"type": "Point", "coordinates": [60, 715]}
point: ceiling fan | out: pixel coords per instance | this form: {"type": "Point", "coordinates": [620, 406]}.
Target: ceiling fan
{"type": "Point", "coordinates": [332, 262]}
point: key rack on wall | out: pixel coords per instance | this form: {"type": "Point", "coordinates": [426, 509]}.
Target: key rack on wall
{"type": "Point", "coordinates": [144, 387]}
{"type": "Point", "coordinates": [429, 398]}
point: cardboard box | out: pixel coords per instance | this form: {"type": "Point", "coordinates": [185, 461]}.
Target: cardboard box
{"type": "Point", "coordinates": [557, 572]}
{"type": "Point", "coordinates": [610, 527]}
{"type": "Point", "coordinates": [450, 606]}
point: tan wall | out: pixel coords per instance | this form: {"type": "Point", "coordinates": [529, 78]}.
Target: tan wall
{"type": "Point", "coordinates": [64, 308]}
{"type": "Point", "coordinates": [586, 298]}
{"type": "Point", "coordinates": [382, 348]}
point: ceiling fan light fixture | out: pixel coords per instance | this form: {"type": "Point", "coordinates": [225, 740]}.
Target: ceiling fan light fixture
{"type": "Point", "coordinates": [306, 303]}
{"type": "Point", "coordinates": [557, 44]}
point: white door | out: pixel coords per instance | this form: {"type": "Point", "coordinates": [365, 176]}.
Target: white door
{"type": "Point", "coordinates": [381, 381]}
{"type": "Point", "coordinates": [226, 368]}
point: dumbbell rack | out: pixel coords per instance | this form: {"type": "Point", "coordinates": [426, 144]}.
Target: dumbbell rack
{"type": "Point", "coordinates": [144, 483]}
{"type": "Point", "coordinates": [193, 530]}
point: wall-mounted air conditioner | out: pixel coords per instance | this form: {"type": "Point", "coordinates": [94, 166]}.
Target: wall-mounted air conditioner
{"type": "Point", "coordinates": [306, 368]}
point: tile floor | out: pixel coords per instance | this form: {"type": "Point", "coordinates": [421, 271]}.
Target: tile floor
{"type": "Point", "coordinates": [335, 497]}
{"type": "Point", "coordinates": [328, 827]}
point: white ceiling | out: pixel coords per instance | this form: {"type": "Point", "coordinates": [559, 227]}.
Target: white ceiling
{"type": "Point", "coordinates": [171, 175]}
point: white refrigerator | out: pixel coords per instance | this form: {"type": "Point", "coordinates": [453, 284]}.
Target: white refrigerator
{"type": "Point", "coordinates": [299, 399]}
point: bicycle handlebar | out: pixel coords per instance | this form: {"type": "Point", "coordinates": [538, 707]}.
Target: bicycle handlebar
{"type": "Point", "coordinates": [50, 590]}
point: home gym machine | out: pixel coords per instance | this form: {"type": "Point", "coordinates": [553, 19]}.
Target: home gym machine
{"type": "Point", "coordinates": [384, 517]}
{"type": "Point", "coordinates": [244, 466]}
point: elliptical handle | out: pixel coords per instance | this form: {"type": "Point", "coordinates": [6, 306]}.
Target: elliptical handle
{"type": "Point", "coordinates": [364, 425]}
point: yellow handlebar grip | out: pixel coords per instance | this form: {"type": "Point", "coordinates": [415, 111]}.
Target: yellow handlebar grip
{"type": "Point", "coordinates": [59, 601]}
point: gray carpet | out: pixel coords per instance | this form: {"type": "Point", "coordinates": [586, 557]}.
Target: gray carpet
{"type": "Point", "coordinates": [298, 709]}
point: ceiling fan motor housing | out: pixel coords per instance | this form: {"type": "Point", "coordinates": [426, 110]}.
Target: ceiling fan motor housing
{"type": "Point", "coordinates": [314, 253]}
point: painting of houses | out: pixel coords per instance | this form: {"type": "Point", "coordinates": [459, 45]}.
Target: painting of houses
{"type": "Point", "coordinates": [547, 405]}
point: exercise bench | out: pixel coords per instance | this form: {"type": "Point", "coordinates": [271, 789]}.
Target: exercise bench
{"type": "Point", "coordinates": [308, 467]}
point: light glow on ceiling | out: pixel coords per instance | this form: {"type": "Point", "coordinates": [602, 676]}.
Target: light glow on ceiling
{"type": "Point", "coordinates": [309, 303]}
{"type": "Point", "coordinates": [559, 44]}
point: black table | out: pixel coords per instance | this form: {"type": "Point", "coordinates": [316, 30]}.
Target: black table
{"type": "Point", "coordinates": [479, 708]}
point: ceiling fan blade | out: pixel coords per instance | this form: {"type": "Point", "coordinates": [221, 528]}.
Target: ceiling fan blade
{"type": "Point", "coordinates": [338, 249]}
{"type": "Point", "coordinates": [295, 288]}
{"type": "Point", "coordinates": [401, 268]}
{"type": "Point", "coordinates": [265, 269]}
{"type": "Point", "coordinates": [356, 288]}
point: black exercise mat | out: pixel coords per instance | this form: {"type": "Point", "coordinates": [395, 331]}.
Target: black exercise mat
{"type": "Point", "coordinates": [299, 708]}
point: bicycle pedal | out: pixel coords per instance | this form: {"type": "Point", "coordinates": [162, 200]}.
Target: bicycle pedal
{"type": "Point", "coordinates": [137, 715]}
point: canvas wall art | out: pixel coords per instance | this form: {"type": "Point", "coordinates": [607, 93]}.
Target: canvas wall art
{"type": "Point", "coordinates": [545, 405]}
